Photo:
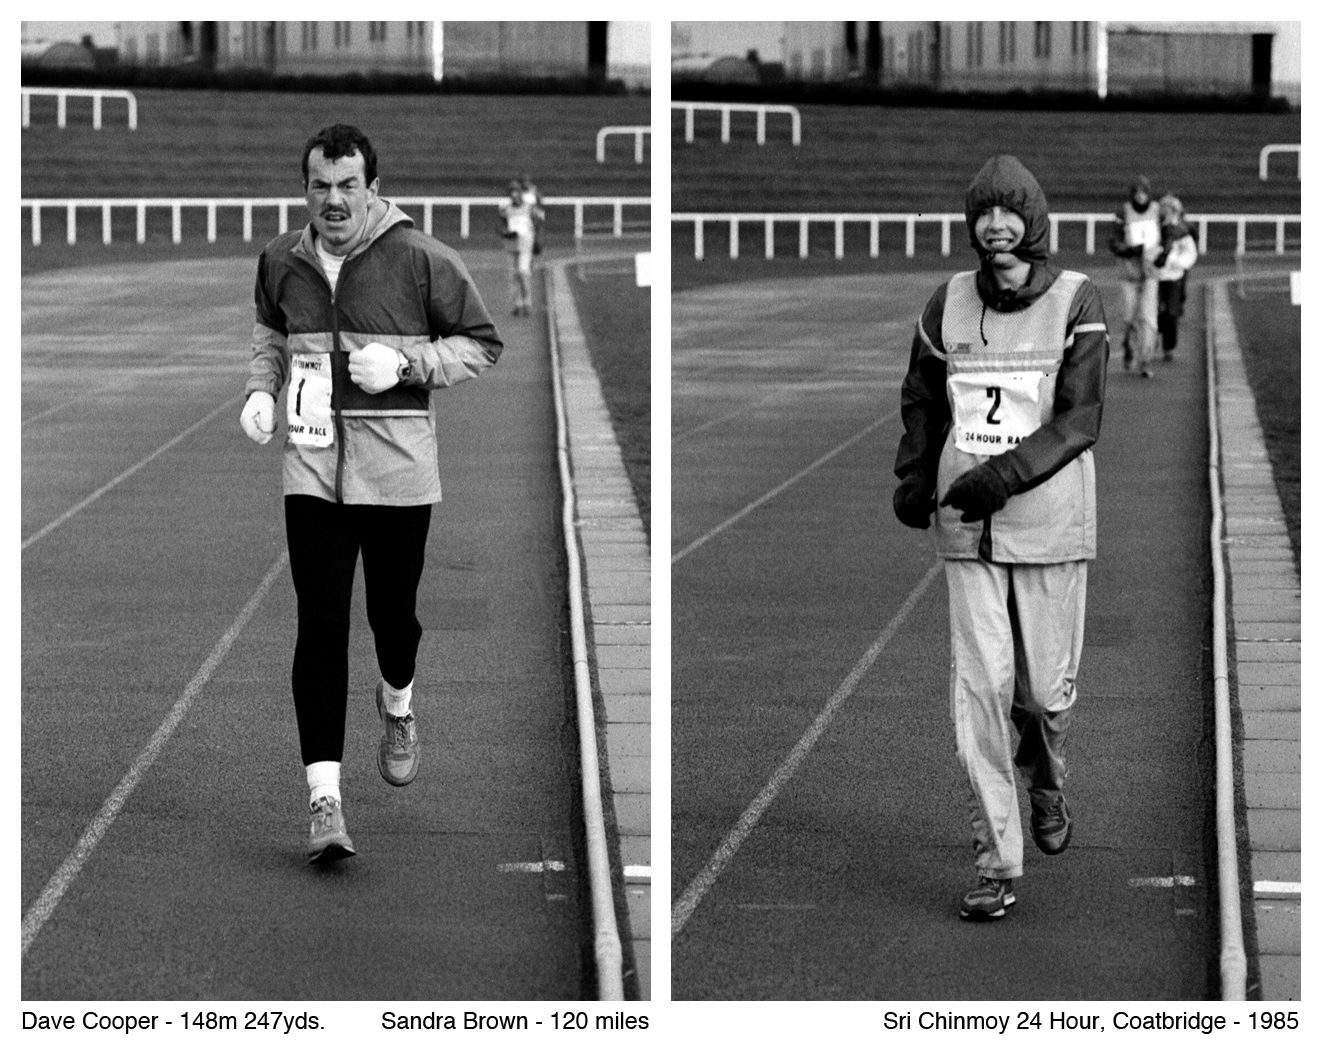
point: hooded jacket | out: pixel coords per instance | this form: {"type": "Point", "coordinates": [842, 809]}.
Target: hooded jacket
{"type": "Point", "coordinates": [1043, 347]}
{"type": "Point", "coordinates": [399, 287]}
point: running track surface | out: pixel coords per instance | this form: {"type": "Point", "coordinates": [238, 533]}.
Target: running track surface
{"type": "Point", "coordinates": [466, 884]}
{"type": "Point", "coordinates": [841, 880]}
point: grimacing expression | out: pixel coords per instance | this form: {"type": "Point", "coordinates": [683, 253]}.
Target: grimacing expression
{"type": "Point", "coordinates": [338, 196]}
{"type": "Point", "coordinates": [999, 230]}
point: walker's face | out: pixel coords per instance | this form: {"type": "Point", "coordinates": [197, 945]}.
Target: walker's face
{"type": "Point", "coordinates": [1140, 198]}
{"type": "Point", "coordinates": [999, 230]}
{"type": "Point", "coordinates": [338, 196]}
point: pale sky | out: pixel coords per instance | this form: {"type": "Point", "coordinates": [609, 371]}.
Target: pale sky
{"type": "Point", "coordinates": [727, 38]}
{"type": "Point", "coordinates": [103, 33]}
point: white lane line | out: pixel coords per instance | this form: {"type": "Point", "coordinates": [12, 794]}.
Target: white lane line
{"type": "Point", "coordinates": [640, 872]}
{"type": "Point", "coordinates": [37, 915]}
{"type": "Point", "coordinates": [530, 867]}
{"type": "Point", "coordinates": [81, 504]}
{"type": "Point", "coordinates": [789, 386]}
{"type": "Point", "coordinates": [1162, 882]}
{"type": "Point", "coordinates": [783, 486]}
{"type": "Point", "coordinates": [55, 408]}
{"type": "Point", "coordinates": [720, 860]}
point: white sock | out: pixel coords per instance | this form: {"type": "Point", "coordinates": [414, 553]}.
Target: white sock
{"type": "Point", "coordinates": [396, 701]}
{"type": "Point", "coordinates": [324, 780]}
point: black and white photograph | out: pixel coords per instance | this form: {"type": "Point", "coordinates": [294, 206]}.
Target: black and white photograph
{"type": "Point", "coordinates": [292, 292]}
{"type": "Point", "coordinates": [985, 516]}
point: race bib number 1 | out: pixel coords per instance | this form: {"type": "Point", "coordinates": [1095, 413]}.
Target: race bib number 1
{"type": "Point", "coordinates": [994, 411]}
{"type": "Point", "coordinates": [309, 401]}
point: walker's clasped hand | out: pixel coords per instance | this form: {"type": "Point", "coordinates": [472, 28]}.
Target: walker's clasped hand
{"type": "Point", "coordinates": [375, 367]}
{"type": "Point", "coordinates": [258, 416]}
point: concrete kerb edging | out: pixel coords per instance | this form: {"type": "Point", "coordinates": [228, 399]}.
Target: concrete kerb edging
{"type": "Point", "coordinates": [1264, 649]}
{"type": "Point", "coordinates": [617, 586]}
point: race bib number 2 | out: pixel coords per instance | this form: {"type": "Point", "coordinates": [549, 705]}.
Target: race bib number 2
{"type": "Point", "coordinates": [308, 408]}
{"type": "Point", "coordinates": [994, 411]}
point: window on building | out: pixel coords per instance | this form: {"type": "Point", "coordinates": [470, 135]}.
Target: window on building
{"type": "Point", "coordinates": [1011, 32]}
{"type": "Point", "coordinates": [152, 53]}
{"type": "Point", "coordinates": [1041, 39]}
{"type": "Point", "coordinates": [968, 45]}
{"type": "Point", "coordinates": [408, 30]}
{"type": "Point", "coordinates": [889, 60]}
{"type": "Point", "coordinates": [347, 39]}
{"type": "Point", "coordinates": [1084, 33]}
{"type": "Point", "coordinates": [284, 40]}
{"type": "Point", "coordinates": [977, 52]}
{"type": "Point", "coordinates": [947, 61]}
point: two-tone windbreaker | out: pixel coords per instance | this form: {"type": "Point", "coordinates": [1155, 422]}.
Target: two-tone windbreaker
{"type": "Point", "coordinates": [399, 287]}
{"type": "Point", "coordinates": [1014, 379]}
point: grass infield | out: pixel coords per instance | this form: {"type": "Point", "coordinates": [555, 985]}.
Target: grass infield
{"type": "Point", "coordinates": [616, 318]}
{"type": "Point", "coordinates": [898, 159]}
{"type": "Point", "coordinates": [1270, 337]}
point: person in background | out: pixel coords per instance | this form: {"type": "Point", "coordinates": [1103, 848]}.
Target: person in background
{"type": "Point", "coordinates": [362, 317]}
{"type": "Point", "coordinates": [534, 197]}
{"type": "Point", "coordinates": [1001, 405]}
{"type": "Point", "coordinates": [520, 215]}
{"type": "Point", "coordinates": [1178, 254]}
{"type": "Point", "coordinates": [1136, 242]}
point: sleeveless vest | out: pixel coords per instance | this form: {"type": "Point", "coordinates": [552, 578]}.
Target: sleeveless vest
{"type": "Point", "coordinates": [1001, 371]}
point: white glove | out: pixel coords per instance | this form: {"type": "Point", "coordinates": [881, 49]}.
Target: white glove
{"type": "Point", "coordinates": [258, 416]}
{"type": "Point", "coordinates": [375, 367]}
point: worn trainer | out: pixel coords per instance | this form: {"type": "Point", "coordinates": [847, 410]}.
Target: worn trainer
{"type": "Point", "coordinates": [988, 900]}
{"type": "Point", "coordinates": [329, 840]}
{"type": "Point", "coordinates": [1052, 826]}
{"type": "Point", "coordinates": [398, 753]}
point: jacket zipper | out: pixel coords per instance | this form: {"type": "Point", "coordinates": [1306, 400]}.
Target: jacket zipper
{"type": "Point", "coordinates": [336, 393]}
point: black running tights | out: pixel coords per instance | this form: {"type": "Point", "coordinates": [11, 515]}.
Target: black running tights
{"type": "Point", "coordinates": [324, 541]}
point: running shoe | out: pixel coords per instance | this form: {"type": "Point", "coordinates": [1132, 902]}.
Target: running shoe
{"type": "Point", "coordinates": [329, 839]}
{"type": "Point", "coordinates": [398, 753]}
{"type": "Point", "coordinates": [1052, 825]}
{"type": "Point", "coordinates": [988, 900]}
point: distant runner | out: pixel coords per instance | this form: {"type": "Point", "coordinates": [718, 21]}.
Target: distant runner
{"type": "Point", "coordinates": [1136, 242]}
{"type": "Point", "coordinates": [1001, 405]}
{"type": "Point", "coordinates": [521, 215]}
{"type": "Point", "coordinates": [1178, 254]}
{"type": "Point", "coordinates": [363, 316]}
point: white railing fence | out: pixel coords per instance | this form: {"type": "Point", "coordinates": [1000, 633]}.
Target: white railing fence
{"type": "Point", "coordinates": [62, 96]}
{"type": "Point", "coordinates": [636, 130]}
{"type": "Point", "coordinates": [726, 108]}
{"type": "Point", "coordinates": [946, 220]}
{"type": "Point", "coordinates": [585, 209]}
{"type": "Point", "coordinates": [1283, 147]}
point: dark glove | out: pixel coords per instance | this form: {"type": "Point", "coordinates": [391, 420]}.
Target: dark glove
{"type": "Point", "coordinates": [915, 499]}
{"type": "Point", "coordinates": [979, 493]}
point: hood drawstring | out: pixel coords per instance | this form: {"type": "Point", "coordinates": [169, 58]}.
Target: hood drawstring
{"type": "Point", "coordinates": [981, 320]}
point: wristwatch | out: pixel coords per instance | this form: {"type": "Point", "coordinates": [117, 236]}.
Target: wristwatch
{"type": "Point", "coordinates": [405, 369]}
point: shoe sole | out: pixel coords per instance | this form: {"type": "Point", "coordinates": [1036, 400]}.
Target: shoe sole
{"type": "Point", "coordinates": [988, 916]}
{"type": "Point", "coordinates": [330, 852]}
{"type": "Point", "coordinates": [395, 781]}
{"type": "Point", "coordinates": [1069, 833]}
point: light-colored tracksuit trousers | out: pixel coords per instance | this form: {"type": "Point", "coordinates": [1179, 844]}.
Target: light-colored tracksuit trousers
{"type": "Point", "coordinates": [1016, 636]}
{"type": "Point", "coordinates": [1140, 306]}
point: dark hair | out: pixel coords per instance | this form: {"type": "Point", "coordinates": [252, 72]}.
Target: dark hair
{"type": "Point", "coordinates": [341, 140]}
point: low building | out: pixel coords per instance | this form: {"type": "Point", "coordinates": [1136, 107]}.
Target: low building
{"type": "Point", "coordinates": [1230, 58]}
{"type": "Point", "coordinates": [437, 49]}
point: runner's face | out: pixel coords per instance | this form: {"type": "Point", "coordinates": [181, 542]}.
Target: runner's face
{"type": "Point", "coordinates": [338, 196]}
{"type": "Point", "coordinates": [999, 231]}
